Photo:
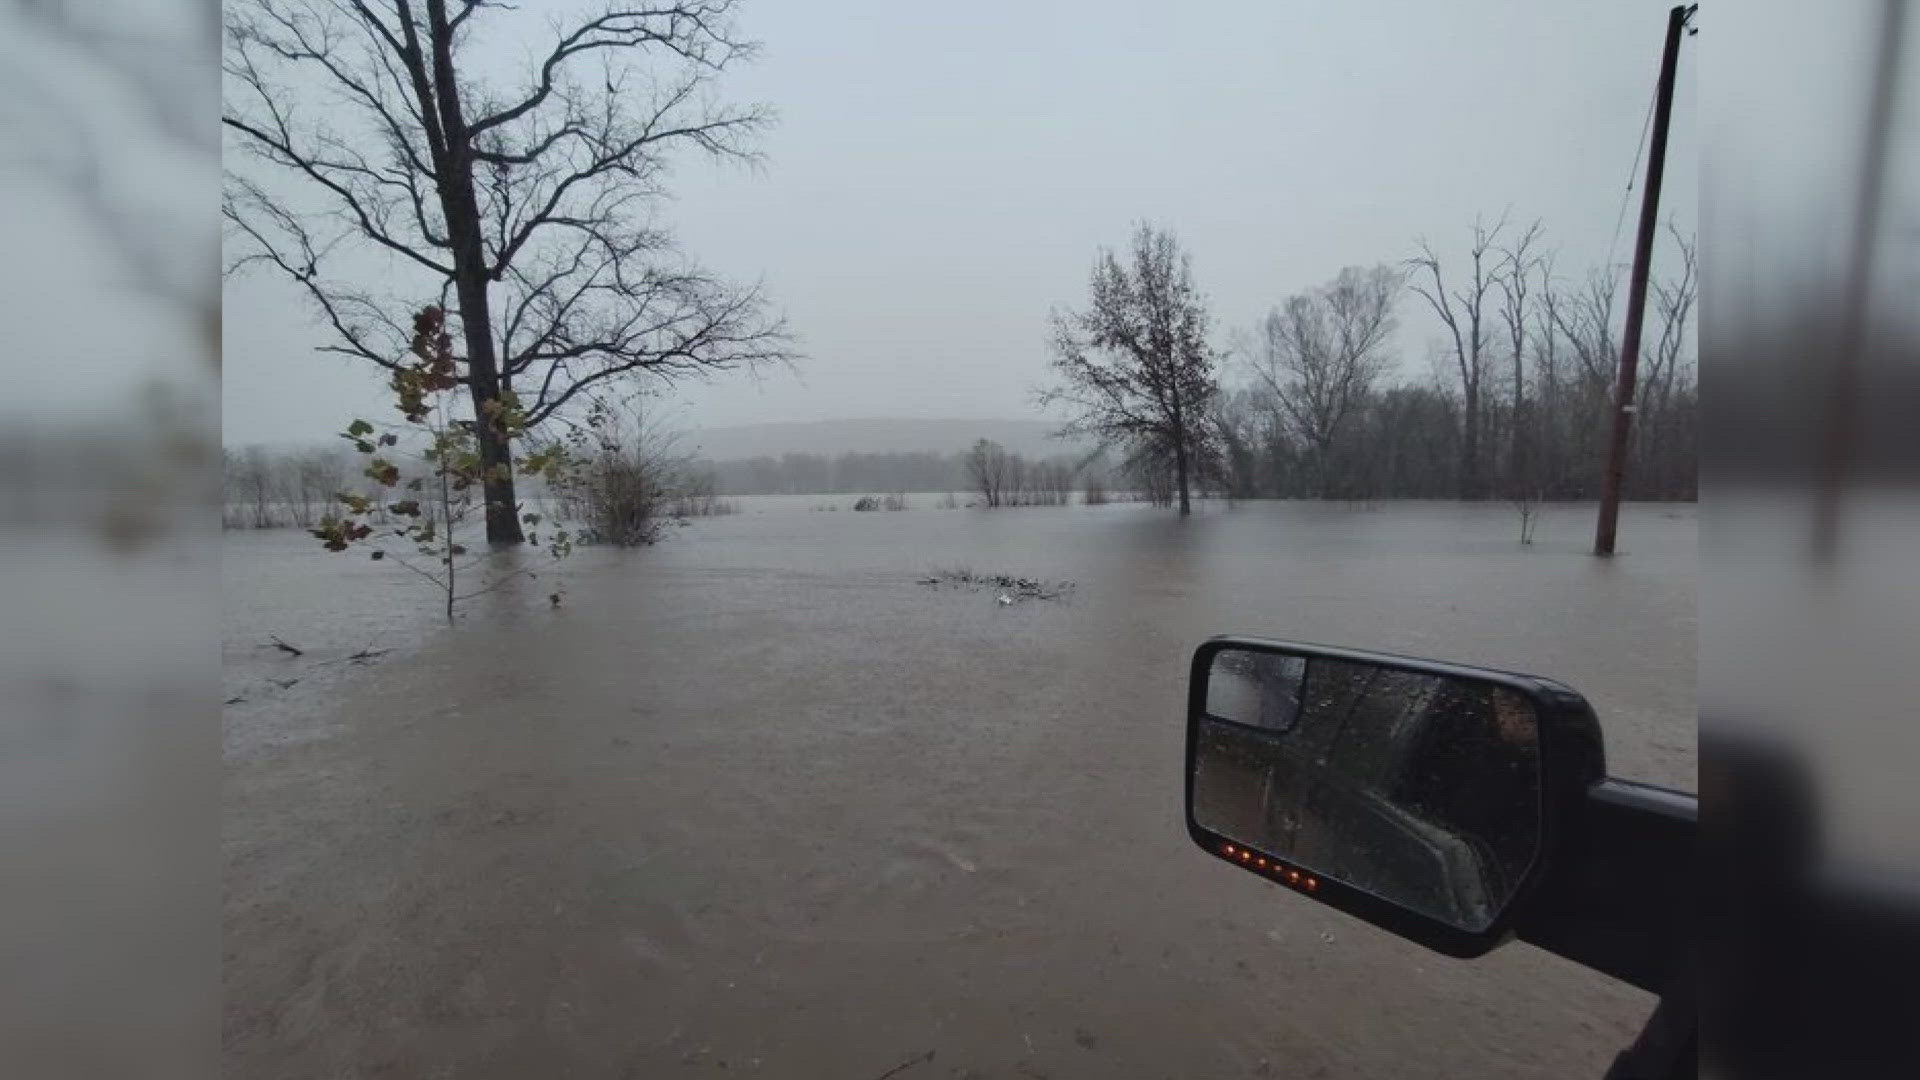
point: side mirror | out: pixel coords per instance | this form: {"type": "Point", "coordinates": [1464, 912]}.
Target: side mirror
{"type": "Point", "coordinates": [1423, 797]}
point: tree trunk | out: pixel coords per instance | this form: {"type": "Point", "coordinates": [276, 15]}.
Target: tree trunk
{"type": "Point", "coordinates": [1470, 444]}
{"type": "Point", "coordinates": [1323, 469]}
{"type": "Point", "coordinates": [1180, 471]}
{"type": "Point", "coordinates": [1517, 450]}
{"type": "Point", "coordinates": [462, 210]}
{"type": "Point", "coordinates": [503, 516]}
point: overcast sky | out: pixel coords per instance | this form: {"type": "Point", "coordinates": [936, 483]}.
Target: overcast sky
{"type": "Point", "coordinates": [942, 175]}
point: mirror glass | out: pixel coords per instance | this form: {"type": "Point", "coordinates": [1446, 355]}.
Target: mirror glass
{"type": "Point", "coordinates": [1421, 789]}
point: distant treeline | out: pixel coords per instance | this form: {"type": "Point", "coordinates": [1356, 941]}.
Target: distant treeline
{"type": "Point", "coordinates": [267, 487]}
{"type": "Point", "coordinates": [819, 474]}
{"type": "Point", "coordinates": [1399, 442]}
{"type": "Point", "coordinates": [1404, 442]}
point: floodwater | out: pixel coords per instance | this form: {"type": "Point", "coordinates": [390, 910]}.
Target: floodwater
{"type": "Point", "coordinates": [757, 801]}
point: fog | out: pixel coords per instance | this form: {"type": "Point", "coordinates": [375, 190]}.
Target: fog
{"type": "Point", "coordinates": [940, 177]}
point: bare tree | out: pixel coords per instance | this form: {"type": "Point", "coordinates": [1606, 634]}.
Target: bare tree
{"type": "Point", "coordinates": [527, 210]}
{"type": "Point", "coordinates": [1547, 466]}
{"type": "Point", "coordinates": [1518, 263]}
{"type": "Point", "coordinates": [1673, 301]}
{"type": "Point", "coordinates": [1585, 318]}
{"type": "Point", "coordinates": [1464, 312]}
{"type": "Point", "coordinates": [250, 476]}
{"type": "Point", "coordinates": [1240, 420]}
{"type": "Point", "coordinates": [1526, 503]}
{"type": "Point", "coordinates": [1663, 436]}
{"type": "Point", "coordinates": [317, 477]}
{"type": "Point", "coordinates": [1055, 480]}
{"type": "Point", "coordinates": [1019, 482]}
{"type": "Point", "coordinates": [987, 468]}
{"type": "Point", "coordinates": [1320, 353]}
{"type": "Point", "coordinates": [1135, 367]}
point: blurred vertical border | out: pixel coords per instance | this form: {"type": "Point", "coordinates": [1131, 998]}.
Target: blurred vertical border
{"type": "Point", "coordinates": [109, 766]}
{"type": "Point", "coordinates": [1810, 593]}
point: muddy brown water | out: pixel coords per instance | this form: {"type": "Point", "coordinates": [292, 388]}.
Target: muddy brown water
{"type": "Point", "coordinates": [755, 801]}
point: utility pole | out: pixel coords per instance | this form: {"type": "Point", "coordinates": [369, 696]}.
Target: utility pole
{"type": "Point", "coordinates": [1623, 407]}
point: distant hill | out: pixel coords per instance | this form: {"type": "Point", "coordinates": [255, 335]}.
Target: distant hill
{"type": "Point", "coordinates": [1029, 438]}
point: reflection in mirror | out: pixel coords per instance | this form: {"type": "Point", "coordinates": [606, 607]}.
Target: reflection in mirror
{"type": "Point", "coordinates": [1419, 788]}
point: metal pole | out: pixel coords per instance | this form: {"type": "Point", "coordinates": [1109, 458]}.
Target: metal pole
{"type": "Point", "coordinates": [1623, 407]}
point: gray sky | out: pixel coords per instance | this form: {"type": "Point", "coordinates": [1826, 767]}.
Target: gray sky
{"type": "Point", "coordinates": [942, 175]}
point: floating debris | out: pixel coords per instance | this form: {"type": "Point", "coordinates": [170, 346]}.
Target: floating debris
{"type": "Point", "coordinates": [1011, 589]}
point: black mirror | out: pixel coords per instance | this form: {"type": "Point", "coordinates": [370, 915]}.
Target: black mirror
{"type": "Point", "coordinates": [1419, 795]}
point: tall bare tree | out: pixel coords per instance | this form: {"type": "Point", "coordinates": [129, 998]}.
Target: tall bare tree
{"type": "Point", "coordinates": [1548, 466]}
{"type": "Point", "coordinates": [369, 149]}
{"type": "Point", "coordinates": [1464, 313]}
{"type": "Point", "coordinates": [1320, 353]}
{"type": "Point", "coordinates": [1673, 301]}
{"type": "Point", "coordinates": [1518, 264]}
{"type": "Point", "coordinates": [1135, 367]}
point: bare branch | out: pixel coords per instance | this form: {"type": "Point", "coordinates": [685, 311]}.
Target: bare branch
{"type": "Point", "coordinates": [1321, 352]}
{"type": "Point", "coordinates": [696, 32]}
{"type": "Point", "coordinates": [547, 201]}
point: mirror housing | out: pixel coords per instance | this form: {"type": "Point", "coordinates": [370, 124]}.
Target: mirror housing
{"type": "Point", "coordinates": [1570, 758]}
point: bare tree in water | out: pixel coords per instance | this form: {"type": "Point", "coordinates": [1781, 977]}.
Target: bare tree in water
{"type": "Point", "coordinates": [987, 470]}
{"type": "Point", "coordinates": [368, 149]}
{"type": "Point", "coordinates": [1464, 312]}
{"type": "Point", "coordinates": [1519, 263]}
{"type": "Point", "coordinates": [1320, 353]}
{"type": "Point", "coordinates": [1135, 367]}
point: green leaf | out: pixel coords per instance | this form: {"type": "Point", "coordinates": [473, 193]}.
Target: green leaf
{"type": "Point", "coordinates": [377, 556]}
{"type": "Point", "coordinates": [358, 428]}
